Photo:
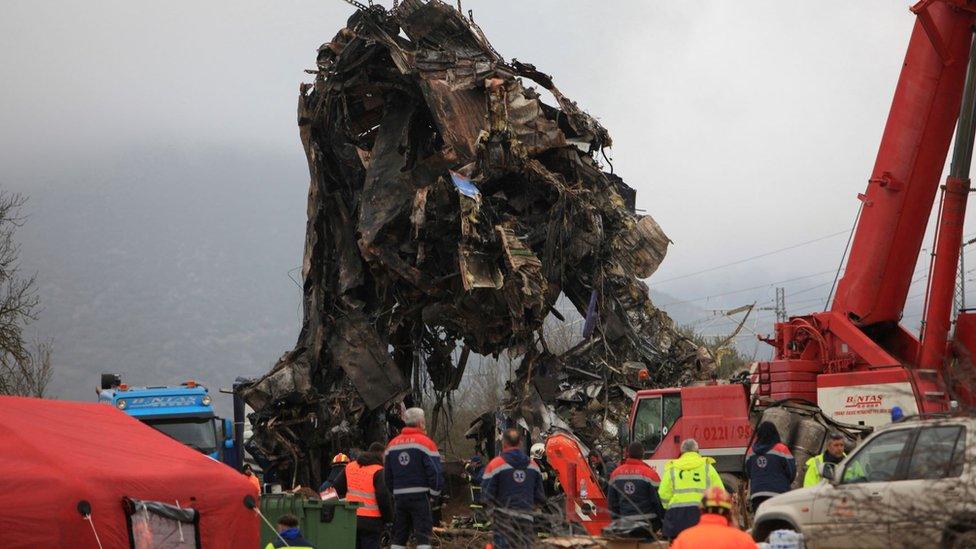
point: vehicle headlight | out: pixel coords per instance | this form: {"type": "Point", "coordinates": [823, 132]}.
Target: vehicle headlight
{"type": "Point", "coordinates": [206, 400]}
{"type": "Point", "coordinates": [122, 404]}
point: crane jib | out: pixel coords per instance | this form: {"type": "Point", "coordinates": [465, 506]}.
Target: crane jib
{"type": "Point", "coordinates": [859, 346]}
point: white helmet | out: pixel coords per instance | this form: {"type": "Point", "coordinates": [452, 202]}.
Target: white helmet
{"type": "Point", "coordinates": [538, 450]}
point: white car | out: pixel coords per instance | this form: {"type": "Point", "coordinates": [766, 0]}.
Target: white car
{"type": "Point", "coordinates": [909, 484]}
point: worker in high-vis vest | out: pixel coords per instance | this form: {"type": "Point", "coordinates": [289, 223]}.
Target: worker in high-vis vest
{"type": "Point", "coordinates": [834, 453]}
{"type": "Point", "coordinates": [683, 485]}
{"type": "Point", "coordinates": [362, 482]}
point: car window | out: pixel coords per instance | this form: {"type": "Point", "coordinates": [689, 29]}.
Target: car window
{"type": "Point", "coordinates": [958, 456]}
{"type": "Point", "coordinates": [647, 423]}
{"type": "Point", "coordinates": [935, 455]}
{"type": "Point", "coordinates": [877, 461]}
{"type": "Point", "coordinates": [672, 411]}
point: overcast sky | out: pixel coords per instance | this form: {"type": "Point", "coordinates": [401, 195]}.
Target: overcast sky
{"type": "Point", "coordinates": [745, 126]}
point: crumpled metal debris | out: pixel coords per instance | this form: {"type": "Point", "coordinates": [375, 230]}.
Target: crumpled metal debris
{"type": "Point", "coordinates": [448, 210]}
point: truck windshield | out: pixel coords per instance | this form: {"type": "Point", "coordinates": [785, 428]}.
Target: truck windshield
{"type": "Point", "coordinates": [197, 433]}
{"type": "Point", "coordinates": [647, 423]}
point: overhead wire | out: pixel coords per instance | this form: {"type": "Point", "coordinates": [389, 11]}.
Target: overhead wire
{"type": "Point", "coordinates": [752, 258]}
{"type": "Point", "coordinates": [843, 256]}
{"type": "Point", "coordinates": [731, 292]}
{"type": "Point", "coordinates": [712, 318]}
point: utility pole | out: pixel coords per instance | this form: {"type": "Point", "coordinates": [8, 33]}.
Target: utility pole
{"type": "Point", "coordinates": [781, 305]}
{"type": "Point", "coordinates": [780, 308]}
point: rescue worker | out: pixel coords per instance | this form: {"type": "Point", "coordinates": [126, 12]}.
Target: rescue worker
{"type": "Point", "coordinates": [599, 468]}
{"type": "Point", "coordinates": [412, 469]}
{"type": "Point", "coordinates": [633, 489]}
{"type": "Point", "coordinates": [474, 471]}
{"type": "Point", "coordinates": [512, 487]}
{"type": "Point", "coordinates": [288, 530]}
{"type": "Point", "coordinates": [255, 481]}
{"type": "Point", "coordinates": [683, 484]}
{"type": "Point", "coordinates": [362, 481]}
{"type": "Point", "coordinates": [339, 463]}
{"type": "Point", "coordinates": [597, 464]}
{"type": "Point", "coordinates": [713, 530]}
{"type": "Point", "coordinates": [770, 466]}
{"type": "Point", "coordinates": [549, 480]}
{"type": "Point", "coordinates": [834, 453]}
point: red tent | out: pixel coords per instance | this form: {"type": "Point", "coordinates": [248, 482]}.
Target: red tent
{"type": "Point", "coordinates": [56, 454]}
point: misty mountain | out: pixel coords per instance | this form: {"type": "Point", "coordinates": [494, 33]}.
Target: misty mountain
{"type": "Point", "coordinates": [165, 263]}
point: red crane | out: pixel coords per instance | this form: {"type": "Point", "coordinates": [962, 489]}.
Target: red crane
{"type": "Point", "coordinates": [856, 360]}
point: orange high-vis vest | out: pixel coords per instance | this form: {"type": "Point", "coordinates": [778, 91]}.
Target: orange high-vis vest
{"type": "Point", "coordinates": [359, 481]}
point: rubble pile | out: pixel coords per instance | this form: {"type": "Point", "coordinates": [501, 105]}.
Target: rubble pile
{"type": "Point", "coordinates": [449, 207]}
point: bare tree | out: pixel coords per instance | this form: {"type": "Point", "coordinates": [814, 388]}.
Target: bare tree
{"type": "Point", "coordinates": [25, 368]}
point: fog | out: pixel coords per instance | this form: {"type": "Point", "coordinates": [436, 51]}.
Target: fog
{"type": "Point", "coordinates": [159, 146]}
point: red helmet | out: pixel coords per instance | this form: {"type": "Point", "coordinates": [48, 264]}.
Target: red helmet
{"type": "Point", "coordinates": [716, 497]}
{"type": "Point", "coordinates": [340, 458]}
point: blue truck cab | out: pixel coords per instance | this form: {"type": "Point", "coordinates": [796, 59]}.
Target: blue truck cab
{"type": "Point", "coordinates": [184, 412]}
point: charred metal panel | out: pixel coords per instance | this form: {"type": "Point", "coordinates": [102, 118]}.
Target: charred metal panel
{"type": "Point", "coordinates": [448, 209]}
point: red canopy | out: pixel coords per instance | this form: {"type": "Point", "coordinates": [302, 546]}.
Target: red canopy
{"type": "Point", "coordinates": [54, 454]}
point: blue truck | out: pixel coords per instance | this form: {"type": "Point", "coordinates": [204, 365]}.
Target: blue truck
{"type": "Point", "coordinates": [184, 412]}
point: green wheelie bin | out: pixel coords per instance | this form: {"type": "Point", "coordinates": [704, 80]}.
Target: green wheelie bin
{"type": "Point", "coordinates": [326, 524]}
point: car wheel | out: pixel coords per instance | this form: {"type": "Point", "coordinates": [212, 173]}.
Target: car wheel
{"type": "Point", "coordinates": [761, 531]}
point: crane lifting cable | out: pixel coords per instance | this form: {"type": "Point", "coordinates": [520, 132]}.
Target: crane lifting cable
{"type": "Point", "coordinates": [359, 5]}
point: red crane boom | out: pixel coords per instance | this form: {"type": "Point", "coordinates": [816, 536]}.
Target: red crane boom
{"type": "Point", "coordinates": [903, 184]}
{"type": "Point", "coordinates": [855, 360]}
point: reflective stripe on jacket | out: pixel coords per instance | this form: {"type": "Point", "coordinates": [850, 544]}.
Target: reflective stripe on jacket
{"type": "Point", "coordinates": [812, 476]}
{"type": "Point", "coordinates": [360, 482]}
{"type": "Point", "coordinates": [412, 464]}
{"type": "Point", "coordinates": [771, 470]}
{"type": "Point", "coordinates": [512, 482]}
{"type": "Point", "coordinates": [633, 491]}
{"type": "Point", "coordinates": [686, 479]}
{"type": "Point", "coordinates": [853, 473]}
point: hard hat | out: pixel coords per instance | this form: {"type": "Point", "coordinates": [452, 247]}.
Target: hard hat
{"type": "Point", "coordinates": [538, 450]}
{"type": "Point", "coordinates": [340, 458]}
{"type": "Point", "coordinates": [717, 497]}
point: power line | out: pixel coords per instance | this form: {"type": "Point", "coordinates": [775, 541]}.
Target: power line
{"type": "Point", "coordinates": [847, 247]}
{"type": "Point", "coordinates": [752, 288]}
{"type": "Point", "coordinates": [760, 256]}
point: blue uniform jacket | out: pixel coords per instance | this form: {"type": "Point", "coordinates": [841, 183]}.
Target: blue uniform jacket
{"type": "Point", "coordinates": [633, 491]}
{"type": "Point", "coordinates": [513, 481]}
{"type": "Point", "coordinates": [412, 464]}
{"type": "Point", "coordinates": [771, 469]}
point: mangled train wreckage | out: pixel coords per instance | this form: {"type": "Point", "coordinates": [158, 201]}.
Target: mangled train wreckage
{"type": "Point", "coordinates": [449, 208]}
